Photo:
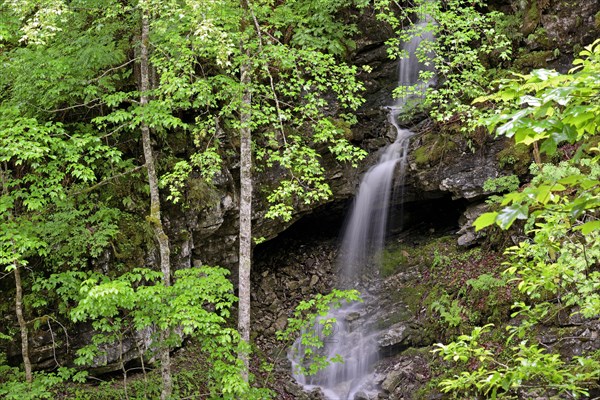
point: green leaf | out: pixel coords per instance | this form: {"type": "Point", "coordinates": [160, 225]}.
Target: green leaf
{"type": "Point", "coordinates": [578, 207]}
{"type": "Point", "coordinates": [509, 214]}
{"type": "Point", "coordinates": [589, 227]}
{"type": "Point", "coordinates": [544, 74]}
{"type": "Point", "coordinates": [485, 220]}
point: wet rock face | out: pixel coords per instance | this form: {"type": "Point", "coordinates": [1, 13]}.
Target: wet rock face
{"type": "Point", "coordinates": [284, 276]}
{"type": "Point", "coordinates": [403, 376]}
{"type": "Point", "coordinates": [286, 271]}
{"type": "Point", "coordinates": [468, 237]}
{"type": "Point", "coordinates": [569, 23]}
{"type": "Point", "coordinates": [401, 336]}
{"type": "Point", "coordinates": [302, 263]}
{"type": "Point", "coordinates": [51, 346]}
{"type": "Point", "coordinates": [460, 171]}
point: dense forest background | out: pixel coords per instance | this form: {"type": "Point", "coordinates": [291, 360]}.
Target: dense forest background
{"type": "Point", "coordinates": [149, 147]}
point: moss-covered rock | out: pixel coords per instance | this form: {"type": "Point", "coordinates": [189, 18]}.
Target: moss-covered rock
{"type": "Point", "coordinates": [515, 158]}
{"type": "Point", "coordinates": [434, 147]}
{"type": "Point", "coordinates": [534, 59]}
{"type": "Point", "coordinates": [531, 17]}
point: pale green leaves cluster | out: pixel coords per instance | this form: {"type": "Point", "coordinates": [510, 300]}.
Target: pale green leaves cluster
{"type": "Point", "coordinates": [531, 366]}
{"type": "Point", "coordinates": [42, 162]}
{"type": "Point", "coordinates": [43, 386]}
{"type": "Point", "coordinates": [298, 82]}
{"type": "Point", "coordinates": [552, 109]}
{"type": "Point", "coordinates": [197, 304]}
{"type": "Point", "coordinates": [40, 20]}
{"type": "Point", "coordinates": [45, 160]}
{"type": "Point", "coordinates": [549, 107]}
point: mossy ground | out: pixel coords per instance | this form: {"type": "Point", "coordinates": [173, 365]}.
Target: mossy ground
{"type": "Point", "coordinates": [468, 282]}
{"type": "Point", "coordinates": [457, 289]}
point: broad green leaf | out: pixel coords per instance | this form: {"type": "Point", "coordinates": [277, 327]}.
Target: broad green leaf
{"type": "Point", "coordinates": [571, 179]}
{"type": "Point", "coordinates": [579, 206]}
{"type": "Point", "coordinates": [485, 220]}
{"type": "Point", "coordinates": [509, 214]}
{"type": "Point", "coordinates": [544, 74]}
{"type": "Point", "coordinates": [589, 227]}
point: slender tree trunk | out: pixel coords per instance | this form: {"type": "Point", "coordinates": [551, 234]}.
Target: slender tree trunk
{"type": "Point", "coordinates": [245, 259]}
{"type": "Point", "coordinates": [22, 324]}
{"type": "Point", "coordinates": [155, 218]}
{"type": "Point", "coordinates": [19, 297]}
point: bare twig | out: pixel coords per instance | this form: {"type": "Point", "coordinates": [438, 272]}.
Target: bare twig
{"type": "Point", "coordinates": [117, 129]}
{"type": "Point", "coordinates": [271, 81]}
{"type": "Point", "coordinates": [53, 343]}
{"type": "Point", "coordinates": [86, 104]}
{"type": "Point", "coordinates": [113, 69]}
{"type": "Point", "coordinates": [4, 275]}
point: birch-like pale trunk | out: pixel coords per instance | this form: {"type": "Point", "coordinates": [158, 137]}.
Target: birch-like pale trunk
{"type": "Point", "coordinates": [19, 299]}
{"type": "Point", "coordinates": [155, 219]}
{"type": "Point", "coordinates": [245, 238]}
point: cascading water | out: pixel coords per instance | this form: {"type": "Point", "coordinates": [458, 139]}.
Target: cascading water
{"type": "Point", "coordinates": [362, 242]}
{"type": "Point", "coordinates": [410, 68]}
{"type": "Point", "coordinates": [354, 338]}
{"type": "Point", "coordinates": [366, 228]}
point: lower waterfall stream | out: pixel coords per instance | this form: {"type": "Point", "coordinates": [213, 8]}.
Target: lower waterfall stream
{"type": "Point", "coordinates": [354, 339]}
{"type": "Point", "coordinates": [355, 335]}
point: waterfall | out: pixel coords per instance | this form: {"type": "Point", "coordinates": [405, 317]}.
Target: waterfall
{"type": "Point", "coordinates": [354, 338]}
{"type": "Point", "coordinates": [409, 69]}
{"type": "Point", "coordinates": [365, 231]}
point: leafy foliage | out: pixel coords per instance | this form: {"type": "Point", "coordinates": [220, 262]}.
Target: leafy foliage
{"type": "Point", "coordinates": [531, 366]}
{"type": "Point", "coordinates": [464, 37]}
{"type": "Point", "coordinates": [449, 309]}
{"type": "Point", "coordinates": [296, 75]}
{"type": "Point", "coordinates": [501, 184]}
{"type": "Point", "coordinates": [563, 109]}
{"type": "Point", "coordinates": [549, 107]}
{"type": "Point", "coordinates": [197, 304]}
{"type": "Point", "coordinates": [556, 265]}
{"type": "Point", "coordinates": [70, 115]}
{"type": "Point", "coordinates": [14, 387]}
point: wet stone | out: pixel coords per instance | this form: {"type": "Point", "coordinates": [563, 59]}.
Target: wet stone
{"type": "Point", "coordinates": [314, 280]}
{"type": "Point", "coordinates": [352, 316]}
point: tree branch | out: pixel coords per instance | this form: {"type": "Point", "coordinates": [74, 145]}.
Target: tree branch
{"type": "Point", "coordinates": [113, 69]}
{"type": "Point", "coordinates": [107, 180]}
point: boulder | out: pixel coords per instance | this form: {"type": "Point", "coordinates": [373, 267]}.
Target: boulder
{"type": "Point", "coordinates": [468, 237]}
{"type": "Point", "coordinates": [401, 336]}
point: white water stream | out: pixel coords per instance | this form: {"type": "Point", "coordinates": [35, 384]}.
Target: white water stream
{"type": "Point", "coordinates": [362, 243]}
